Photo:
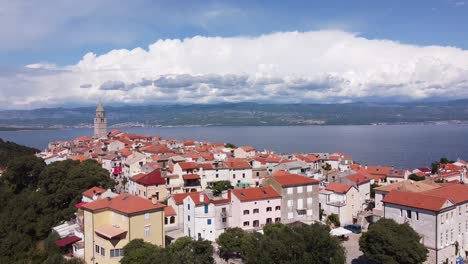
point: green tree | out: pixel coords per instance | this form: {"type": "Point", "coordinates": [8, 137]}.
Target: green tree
{"type": "Point", "coordinates": [230, 145]}
{"type": "Point", "coordinates": [219, 186]}
{"type": "Point", "coordinates": [23, 172]}
{"type": "Point", "coordinates": [415, 177]}
{"type": "Point", "coordinates": [333, 219]}
{"type": "Point", "coordinates": [186, 250]}
{"type": "Point", "coordinates": [10, 150]}
{"type": "Point", "coordinates": [372, 189]}
{"type": "Point", "coordinates": [230, 242]}
{"type": "Point", "coordinates": [389, 242]}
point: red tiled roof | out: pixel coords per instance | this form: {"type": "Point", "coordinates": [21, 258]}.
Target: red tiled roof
{"type": "Point", "coordinates": [337, 187]}
{"type": "Point", "coordinates": [156, 149]}
{"type": "Point", "coordinates": [458, 193]}
{"type": "Point", "coordinates": [151, 178]}
{"type": "Point", "coordinates": [248, 148]}
{"type": "Point", "coordinates": [188, 165]}
{"type": "Point", "coordinates": [334, 158]}
{"type": "Point", "coordinates": [90, 192]}
{"type": "Point", "coordinates": [80, 204]}
{"type": "Point", "coordinates": [191, 177]}
{"type": "Point", "coordinates": [238, 164]}
{"type": "Point", "coordinates": [252, 194]}
{"type": "Point", "coordinates": [179, 197]}
{"type": "Point", "coordinates": [294, 180]}
{"type": "Point", "coordinates": [169, 211]}
{"type": "Point", "coordinates": [124, 203]}
{"type": "Point", "coordinates": [359, 178]}
{"type": "Point", "coordinates": [415, 200]}
{"type": "Point", "coordinates": [67, 241]}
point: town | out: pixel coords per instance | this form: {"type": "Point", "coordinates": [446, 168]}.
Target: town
{"type": "Point", "coordinates": [168, 188]}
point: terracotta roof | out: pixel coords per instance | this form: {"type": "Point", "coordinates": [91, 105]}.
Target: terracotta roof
{"type": "Point", "coordinates": [294, 180]}
{"type": "Point", "coordinates": [179, 197]}
{"type": "Point", "coordinates": [90, 192]}
{"type": "Point", "coordinates": [151, 178]}
{"type": "Point", "coordinates": [238, 164]}
{"type": "Point", "coordinates": [337, 187]}
{"type": "Point", "coordinates": [408, 186]}
{"type": "Point", "coordinates": [188, 165]}
{"type": "Point", "coordinates": [415, 200]}
{"type": "Point", "coordinates": [359, 178]}
{"type": "Point", "coordinates": [257, 193]}
{"type": "Point", "coordinates": [79, 158]}
{"type": "Point", "coordinates": [248, 148]}
{"type": "Point", "coordinates": [191, 177]}
{"type": "Point", "coordinates": [67, 241]}
{"type": "Point", "coordinates": [156, 149]}
{"type": "Point", "coordinates": [334, 158]}
{"type": "Point", "coordinates": [124, 203]}
{"type": "Point", "coordinates": [169, 211]}
{"type": "Point", "coordinates": [458, 193]}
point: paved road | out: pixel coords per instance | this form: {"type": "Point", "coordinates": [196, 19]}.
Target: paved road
{"type": "Point", "coordinates": [353, 254]}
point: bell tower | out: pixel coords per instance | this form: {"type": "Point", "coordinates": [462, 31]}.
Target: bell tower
{"type": "Point", "coordinates": [100, 122]}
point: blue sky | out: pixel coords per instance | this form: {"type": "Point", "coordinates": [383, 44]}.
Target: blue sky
{"type": "Point", "coordinates": [66, 34]}
{"type": "Point", "coordinates": [56, 52]}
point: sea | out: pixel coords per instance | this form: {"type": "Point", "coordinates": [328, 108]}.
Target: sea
{"type": "Point", "coordinates": [401, 146]}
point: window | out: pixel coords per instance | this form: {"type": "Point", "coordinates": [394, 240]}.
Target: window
{"type": "Point", "coordinates": [442, 219]}
{"type": "Point", "coordinates": [269, 221]}
{"type": "Point", "coordinates": [256, 211]}
{"type": "Point", "coordinates": [459, 210]}
{"type": "Point", "coordinates": [300, 203]}
{"type": "Point", "coordinates": [451, 235]}
{"type": "Point", "coordinates": [208, 221]}
{"type": "Point", "coordinates": [290, 203]}
{"type": "Point", "coordinates": [278, 220]}
{"type": "Point", "coordinates": [206, 208]}
{"type": "Point", "coordinates": [243, 175]}
{"type": "Point", "coordinates": [277, 208]}
{"type": "Point", "coordinates": [165, 220]}
{"type": "Point", "coordinates": [233, 176]}
{"type": "Point", "coordinates": [224, 219]}
{"type": "Point", "coordinates": [96, 247]}
{"type": "Point", "coordinates": [188, 206]}
{"type": "Point", "coordinates": [246, 223]}
{"type": "Point", "coordinates": [299, 189]}
{"type": "Point", "coordinates": [441, 239]}
{"type": "Point", "coordinates": [417, 215]}
{"type": "Point", "coordinates": [258, 174]}
{"type": "Point", "coordinates": [290, 215]}
{"type": "Point", "coordinates": [309, 188]}
{"type": "Point", "coordinates": [446, 237]}
{"type": "Point", "coordinates": [290, 190]}
{"type": "Point", "coordinates": [408, 213]}
{"type": "Point", "coordinates": [188, 218]}
{"type": "Point", "coordinates": [172, 220]}
{"type": "Point", "coordinates": [309, 212]}
{"type": "Point", "coordinates": [309, 200]}
{"type": "Point", "coordinates": [256, 223]}
{"type": "Point", "coordinates": [147, 216]}
{"type": "Point", "coordinates": [459, 228]}
{"type": "Point", "coordinates": [103, 251]}
{"type": "Point", "coordinates": [246, 212]}
{"type": "Point", "coordinates": [147, 231]}
{"type": "Point", "coordinates": [268, 209]}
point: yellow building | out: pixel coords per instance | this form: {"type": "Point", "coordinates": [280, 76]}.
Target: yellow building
{"type": "Point", "coordinates": [110, 223]}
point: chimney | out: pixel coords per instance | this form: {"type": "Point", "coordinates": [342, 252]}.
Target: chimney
{"type": "Point", "coordinates": [154, 199]}
{"type": "Point", "coordinates": [202, 197]}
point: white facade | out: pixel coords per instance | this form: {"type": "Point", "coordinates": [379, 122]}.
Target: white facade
{"type": "Point", "coordinates": [255, 214]}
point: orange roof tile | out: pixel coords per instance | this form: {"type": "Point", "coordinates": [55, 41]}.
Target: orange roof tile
{"type": "Point", "coordinates": [415, 200]}
{"type": "Point", "coordinates": [124, 203]}
{"type": "Point", "coordinates": [94, 190]}
{"type": "Point", "coordinates": [294, 180]}
{"type": "Point", "coordinates": [169, 211]}
{"type": "Point", "coordinates": [337, 187]}
{"type": "Point", "coordinates": [256, 193]}
{"type": "Point", "coordinates": [458, 193]}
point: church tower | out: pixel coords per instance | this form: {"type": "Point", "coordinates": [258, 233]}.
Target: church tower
{"type": "Point", "coordinates": [100, 122]}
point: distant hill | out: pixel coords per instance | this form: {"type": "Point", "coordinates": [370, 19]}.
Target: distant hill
{"type": "Point", "coordinates": [241, 114]}
{"type": "Point", "coordinates": [10, 150]}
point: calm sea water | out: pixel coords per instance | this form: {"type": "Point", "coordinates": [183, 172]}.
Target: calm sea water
{"type": "Point", "coordinates": [405, 146]}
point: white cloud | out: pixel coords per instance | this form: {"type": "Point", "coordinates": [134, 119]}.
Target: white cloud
{"type": "Point", "coordinates": [316, 66]}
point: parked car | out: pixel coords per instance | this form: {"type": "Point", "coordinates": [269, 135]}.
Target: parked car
{"type": "Point", "coordinates": [354, 228]}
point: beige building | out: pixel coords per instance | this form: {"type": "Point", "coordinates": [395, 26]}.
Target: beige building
{"type": "Point", "coordinates": [151, 185]}
{"type": "Point", "coordinates": [341, 199]}
{"type": "Point", "coordinates": [110, 223]}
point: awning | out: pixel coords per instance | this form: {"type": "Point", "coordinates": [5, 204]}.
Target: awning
{"type": "Point", "coordinates": [67, 241]}
{"type": "Point", "coordinates": [80, 204]}
{"type": "Point", "coordinates": [110, 232]}
{"type": "Point", "coordinates": [191, 177]}
{"type": "Point", "coordinates": [340, 231]}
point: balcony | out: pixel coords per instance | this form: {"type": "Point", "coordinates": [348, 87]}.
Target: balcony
{"type": "Point", "coordinates": [336, 203]}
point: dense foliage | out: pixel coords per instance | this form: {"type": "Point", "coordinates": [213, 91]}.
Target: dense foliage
{"type": "Point", "coordinates": [34, 198]}
{"type": "Point", "coordinates": [281, 244]}
{"type": "Point", "coordinates": [415, 177]}
{"type": "Point", "coordinates": [219, 186]}
{"type": "Point", "coordinates": [334, 220]}
{"type": "Point", "coordinates": [10, 150]}
{"type": "Point", "coordinates": [389, 242]}
{"type": "Point", "coordinates": [183, 250]}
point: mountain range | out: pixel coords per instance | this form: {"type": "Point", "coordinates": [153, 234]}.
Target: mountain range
{"type": "Point", "coordinates": [242, 114]}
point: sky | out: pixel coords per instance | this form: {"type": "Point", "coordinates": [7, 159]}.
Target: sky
{"type": "Point", "coordinates": [73, 53]}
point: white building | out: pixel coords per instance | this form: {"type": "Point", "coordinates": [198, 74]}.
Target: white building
{"type": "Point", "coordinates": [340, 199]}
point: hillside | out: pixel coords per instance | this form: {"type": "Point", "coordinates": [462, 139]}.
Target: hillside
{"type": "Point", "coordinates": [241, 114]}
{"type": "Point", "coordinates": [10, 150]}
